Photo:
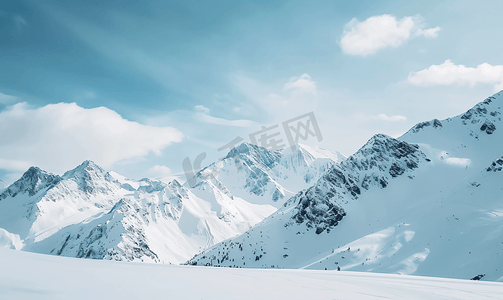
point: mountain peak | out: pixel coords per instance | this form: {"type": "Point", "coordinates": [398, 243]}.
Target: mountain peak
{"type": "Point", "coordinates": [174, 183]}
{"type": "Point", "coordinates": [32, 181]}
{"type": "Point", "coordinates": [244, 148]}
{"type": "Point", "coordinates": [482, 117]}
{"type": "Point", "coordinates": [253, 154]}
{"type": "Point", "coordinates": [91, 177]}
{"type": "Point", "coordinates": [33, 171]}
{"type": "Point", "coordinates": [377, 141]}
{"type": "Point", "coordinates": [490, 106]}
{"type": "Point", "coordinates": [87, 162]}
{"type": "Point", "coordinates": [87, 166]}
{"type": "Point", "coordinates": [391, 154]}
{"type": "Point", "coordinates": [381, 142]}
{"type": "Point", "coordinates": [149, 185]}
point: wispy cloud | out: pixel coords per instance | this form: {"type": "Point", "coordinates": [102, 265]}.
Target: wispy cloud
{"type": "Point", "coordinates": [20, 22]}
{"type": "Point", "coordinates": [378, 32]}
{"type": "Point", "coordinates": [448, 73]}
{"type": "Point", "coordinates": [278, 100]}
{"type": "Point", "coordinates": [391, 118]}
{"type": "Point", "coordinates": [203, 114]}
{"type": "Point", "coordinates": [163, 173]}
{"type": "Point", "coordinates": [115, 45]}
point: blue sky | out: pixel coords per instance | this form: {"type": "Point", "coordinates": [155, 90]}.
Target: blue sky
{"type": "Point", "coordinates": [139, 86]}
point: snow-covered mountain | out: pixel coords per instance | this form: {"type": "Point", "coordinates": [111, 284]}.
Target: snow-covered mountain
{"type": "Point", "coordinates": [260, 175]}
{"type": "Point", "coordinates": [91, 213]}
{"type": "Point", "coordinates": [427, 203]}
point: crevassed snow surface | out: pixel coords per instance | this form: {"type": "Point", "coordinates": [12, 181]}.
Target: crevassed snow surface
{"type": "Point", "coordinates": [35, 276]}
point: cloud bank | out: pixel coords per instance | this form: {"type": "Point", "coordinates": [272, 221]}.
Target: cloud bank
{"type": "Point", "coordinates": [378, 32]}
{"type": "Point", "coordinates": [58, 137]}
{"type": "Point", "coordinates": [448, 73]}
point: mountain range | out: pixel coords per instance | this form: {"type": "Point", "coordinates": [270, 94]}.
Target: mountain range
{"type": "Point", "coordinates": [429, 202]}
{"type": "Point", "coordinates": [90, 213]}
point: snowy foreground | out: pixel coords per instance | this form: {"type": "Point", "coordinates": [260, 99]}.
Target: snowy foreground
{"type": "Point", "coordinates": [36, 276]}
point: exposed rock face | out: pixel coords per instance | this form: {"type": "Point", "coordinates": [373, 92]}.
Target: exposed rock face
{"type": "Point", "coordinates": [496, 166]}
{"type": "Point", "coordinates": [32, 181]}
{"type": "Point", "coordinates": [482, 118]}
{"type": "Point", "coordinates": [435, 123]}
{"type": "Point", "coordinates": [486, 113]}
{"type": "Point", "coordinates": [488, 127]}
{"type": "Point", "coordinates": [381, 159]}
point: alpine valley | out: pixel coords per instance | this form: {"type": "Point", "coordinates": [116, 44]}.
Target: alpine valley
{"type": "Point", "coordinates": [427, 203]}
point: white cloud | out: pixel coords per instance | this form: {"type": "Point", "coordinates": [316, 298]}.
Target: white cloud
{"type": "Point", "coordinates": [448, 73]}
{"type": "Point", "coordinates": [278, 100]}
{"type": "Point", "coordinates": [219, 121]}
{"type": "Point", "coordinates": [58, 137]}
{"type": "Point", "coordinates": [302, 84]}
{"type": "Point", "coordinates": [163, 173]}
{"type": "Point", "coordinates": [160, 170]}
{"type": "Point", "coordinates": [378, 32]}
{"type": "Point", "coordinates": [429, 33]}
{"type": "Point", "coordinates": [202, 108]}
{"type": "Point", "coordinates": [202, 114]}
{"type": "Point", "coordinates": [299, 96]}
{"type": "Point", "coordinates": [392, 118]}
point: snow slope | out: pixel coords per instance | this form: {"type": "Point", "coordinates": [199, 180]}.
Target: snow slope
{"type": "Point", "coordinates": [34, 276]}
{"type": "Point", "coordinates": [429, 203]}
